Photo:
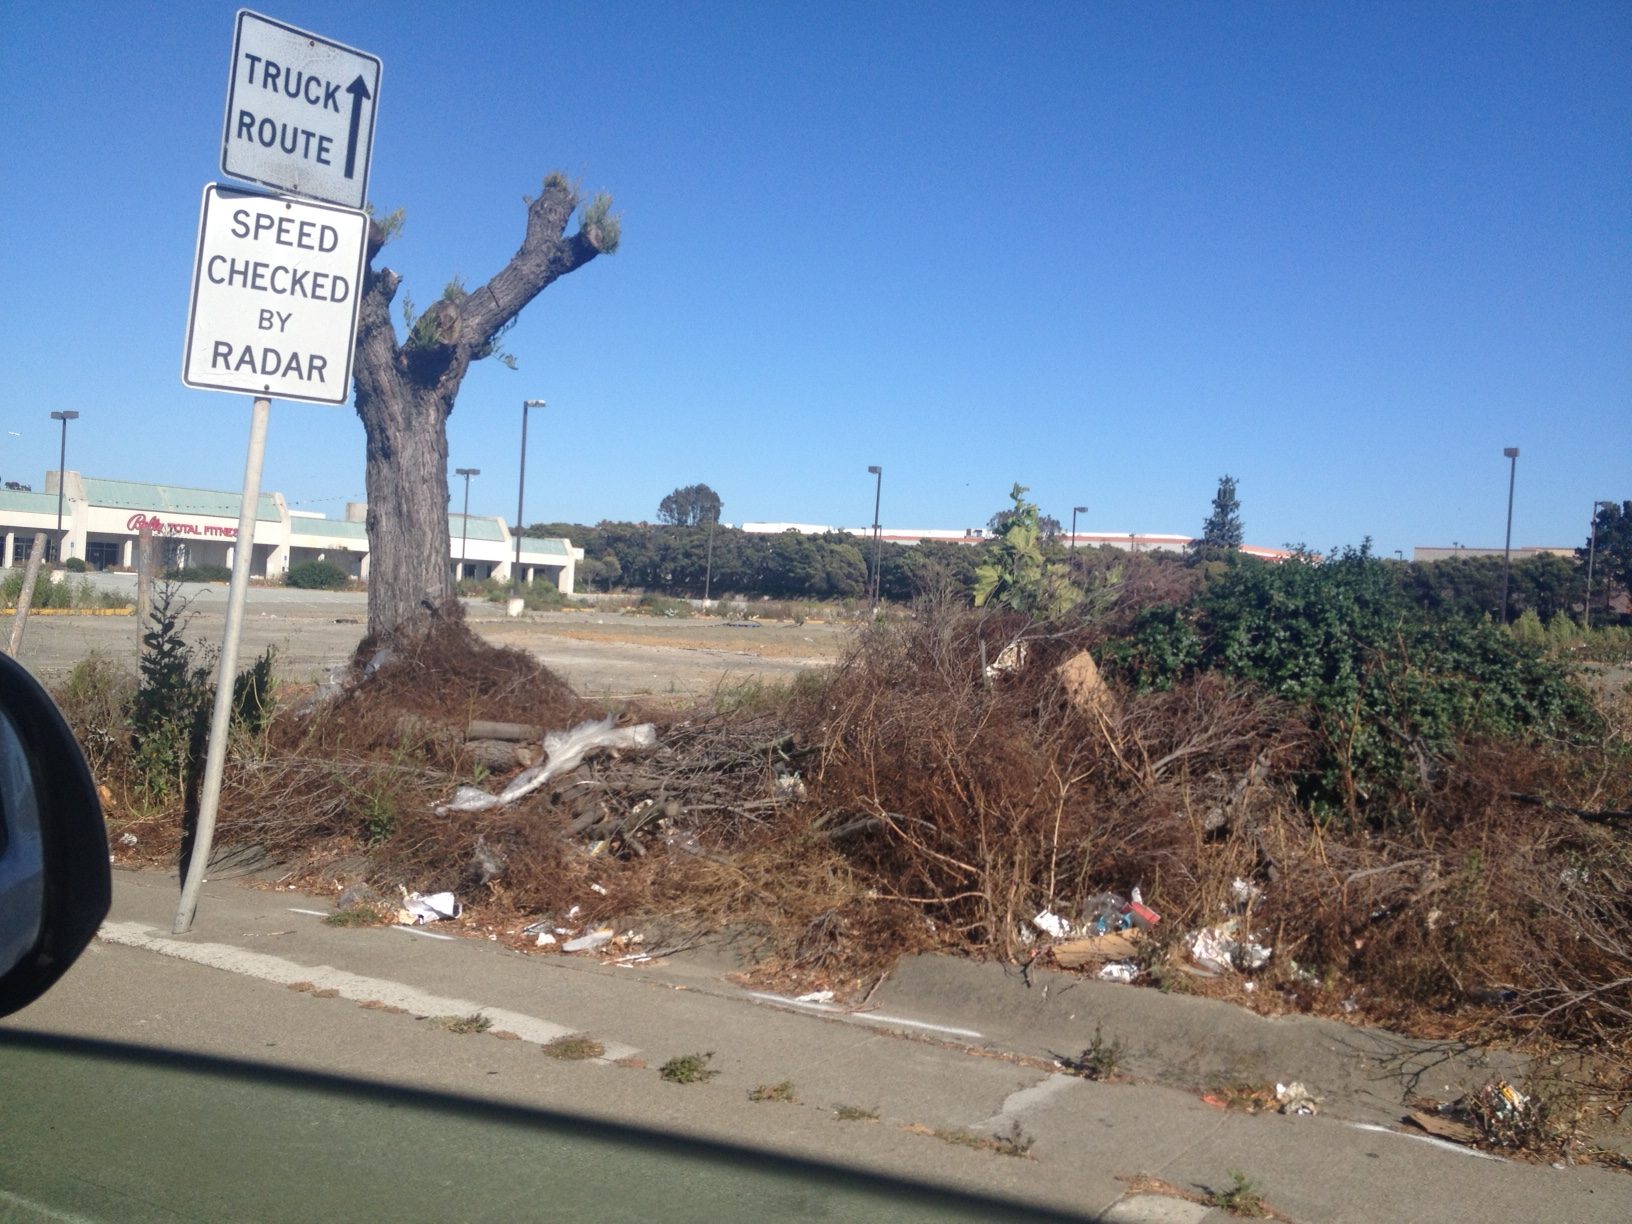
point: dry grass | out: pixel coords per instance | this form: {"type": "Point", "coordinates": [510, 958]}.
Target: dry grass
{"type": "Point", "coordinates": [854, 1113]}
{"type": "Point", "coordinates": [574, 1047]}
{"type": "Point", "coordinates": [1016, 1143]}
{"type": "Point", "coordinates": [463, 1025]}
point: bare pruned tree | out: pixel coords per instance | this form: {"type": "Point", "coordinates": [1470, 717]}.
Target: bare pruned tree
{"type": "Point", "coordinates": [406, 390]}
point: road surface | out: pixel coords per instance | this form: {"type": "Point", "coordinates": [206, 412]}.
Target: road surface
{"type": "Point", "coordinates": [182, 1077]}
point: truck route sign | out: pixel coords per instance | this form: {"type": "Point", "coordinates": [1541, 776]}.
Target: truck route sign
{"type": "Point", "coordinates": [300, 112]}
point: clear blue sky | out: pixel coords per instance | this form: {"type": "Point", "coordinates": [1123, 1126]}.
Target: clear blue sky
{"type": "Point", "coordinates": [1343, 252]}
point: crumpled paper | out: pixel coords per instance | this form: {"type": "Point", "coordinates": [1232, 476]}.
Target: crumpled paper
{"type": "Point", "coordinates": [418, 908]}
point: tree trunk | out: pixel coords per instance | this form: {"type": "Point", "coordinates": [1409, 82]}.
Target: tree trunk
{"type": "Point", "coordinates": [406, 391]}
{"type": "Point", "coordinates": [406, 479]}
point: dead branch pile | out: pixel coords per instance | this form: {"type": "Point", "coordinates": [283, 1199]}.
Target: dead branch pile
{"type": "Point", "coordinates": [954, 776]}
{"type": "Point", "coordinates": [371, 766]}
{"type": "Point", "coordinates": [982, 795]}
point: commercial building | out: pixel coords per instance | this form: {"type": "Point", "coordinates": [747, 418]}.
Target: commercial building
{"type": "Point", "coordinates": [103, 519]}
{"type": "Point", "coordinates": [1444, 552]}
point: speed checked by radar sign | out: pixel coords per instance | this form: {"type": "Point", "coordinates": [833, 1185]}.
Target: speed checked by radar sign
{"type": "Point", "coordinates": [277, 284]}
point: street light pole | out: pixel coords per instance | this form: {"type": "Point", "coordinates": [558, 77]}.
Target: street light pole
{"type": "Point", "coordinates": [1512, 453]}
{"type": "Point", "coordinates": [464, 519]}
{"type": "Point", "coordinates": [1075, 510]}
{"type": "Point", "coordinates": [62, 471]}
{"type": "Point", "coordinates": [878, 493]}
{"type": "Point", "coordinates": [708, 573]}
{"type": "Point", "coordinates": [521, 493]}
{"type": "Point", "coordinates": [1592, 548]}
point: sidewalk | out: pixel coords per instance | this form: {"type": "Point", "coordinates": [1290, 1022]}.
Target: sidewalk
{"type": "Point", "coordinates": [952, 1047]}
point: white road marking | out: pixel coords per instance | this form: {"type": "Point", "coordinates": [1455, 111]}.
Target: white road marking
{"type": "Point", "coordinates": [1428, 1139]}
{"type": "Point", "coordinates": [827, 1009]}
{"type": "Point", "coordinates": [351, 986]}
{"type": "Point", "coordinates": [408, 930]}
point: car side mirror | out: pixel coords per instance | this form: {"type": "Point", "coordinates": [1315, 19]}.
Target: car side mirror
{"type": "Point", "coordinates": [55, 882]}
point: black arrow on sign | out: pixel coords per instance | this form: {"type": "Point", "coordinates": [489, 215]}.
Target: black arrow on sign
{"type": "Point", "coordinates": [358, 90]}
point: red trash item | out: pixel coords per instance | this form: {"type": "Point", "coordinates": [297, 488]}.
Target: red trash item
{"type": "Point", "coordinates": [1142, 915]}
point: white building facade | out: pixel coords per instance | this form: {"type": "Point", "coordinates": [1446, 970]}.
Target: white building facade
{"type": "Point", "coordinates": [102, 520]}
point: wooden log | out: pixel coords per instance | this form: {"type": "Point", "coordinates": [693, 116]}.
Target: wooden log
{"type": "Point", "coordinates": [516, 733]}
{"type": "Point", "coordinates": [495, 754]}
{"type": "Point", "coordinates": [25, 596]}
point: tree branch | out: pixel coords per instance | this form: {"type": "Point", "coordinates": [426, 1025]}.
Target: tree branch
{"type": "Point", "coordinates": [376, 338]}
{"type": "Point", "coordinates": [545, 255]}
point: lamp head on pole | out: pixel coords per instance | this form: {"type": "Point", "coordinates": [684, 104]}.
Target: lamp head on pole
{"type": "Point", "coordinates": [874, 470]}
{"type": "Point", "coordinates": [532, 403]}
{"type": "Point", "coordinates": [1079, 509]}
{"type": "Point", "coordinates": [65, 416]}
{"type": "Point", "coordinates": [467, 472]}
{"type": "Point", "coordinates": [1510, 452]}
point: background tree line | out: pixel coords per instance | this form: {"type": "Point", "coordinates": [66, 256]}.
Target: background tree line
{"type": "Point", "coordinates": [689, 549]}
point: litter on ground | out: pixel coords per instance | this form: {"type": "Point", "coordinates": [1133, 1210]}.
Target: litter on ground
{"type": "Point", "coordinates": [563, 751]}
{"type": "Point", "coordinates": [418, 908]}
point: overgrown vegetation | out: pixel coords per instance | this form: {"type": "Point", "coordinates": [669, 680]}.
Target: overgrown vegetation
{"type": "Point", "coordinates": [1242, 1197]}
{"type": "Point", "coordinates": [96, 699]}
{"type": "Point", "coordinates": [146, 734]}
{"type": "Point", "coordinates": [688, 1069]}
{"type": "Point", "coordinates": [1426, 815]}
{"type": "Point", "coordinates": [540, 595]}
{"type": "Point", "coordinates": [1017, 576]}
{"type": "Point", "coordinates": [685, 557]}
{"type": "Point", "coordinates": [1390, 694]}
{"type": "Point", "coordinates": [55, 591]}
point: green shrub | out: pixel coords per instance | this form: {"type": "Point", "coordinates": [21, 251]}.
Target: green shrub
{"type": "Point", "coordinates": [170, 712]}
{"type": "Point", "coordinates": [169, 716]}
{"type": "Point", "coordinates": [57, 592]}
{"type": "Point", "coordinates": [1528, 628]}
{"type": "Point", "coordinates": [74, 565]}
{"type": "Point", "coordinates": [199, 573]}
{"type": "Point", "coordinates": [316, 576]}
{"type": "Point", "coordinates": [542, 594]}
{"type": "Point", "coordinates": [1388, 688]}
{"type": "Point", "coordinates": [96, 700]}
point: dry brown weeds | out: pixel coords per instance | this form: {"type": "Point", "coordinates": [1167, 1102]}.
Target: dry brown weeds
{"type": "Point", "coordinates": [917, 799]}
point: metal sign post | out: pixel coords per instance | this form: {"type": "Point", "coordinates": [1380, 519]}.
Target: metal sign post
{"type": "Point", "coordinates": [221, 717]}
{"type": "Point", "coordinates": [277, 287]}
